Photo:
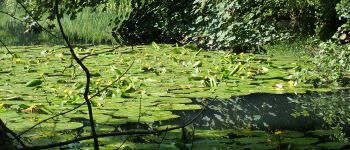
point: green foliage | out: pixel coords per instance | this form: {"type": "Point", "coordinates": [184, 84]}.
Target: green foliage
{"type": "Point", "coordinates": [211, 24]}
{"type": "Point", "coordinates": [333, 63]}
{"type": "Point", "coordinates": [90, 26]}
{"type": "Point", "coordinates": [333, 109]}
{"type": "Point", "coordinates": [235, 24]}
{"type": "Point", "coordinates": [34, 83]}
{"type": "Point", "coordinates": [327, 20]}
{"type": "Point", "coordinates": [232, 24]}
{"type": "Point", "coordinates": [295, 48]}
{"type": "Point", "coordinates": [156, 20]}
{"type": "Point", "coordinates": [243, 24]}
{"type": "Point", "coordinates": [344, 12]}
{"type": "Point", "coordinates": [328, 66]}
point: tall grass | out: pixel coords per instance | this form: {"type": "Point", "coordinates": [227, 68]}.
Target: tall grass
{"type": "Point", "coordinates": [296, 48]}
{"type": "Point", "coordinates": [90, 26]}
{"type": "Point", "coordinates": [13, 31]}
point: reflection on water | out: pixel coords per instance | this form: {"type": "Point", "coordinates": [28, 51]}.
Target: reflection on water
{"type": "Point", "coordinates": [278, 112]}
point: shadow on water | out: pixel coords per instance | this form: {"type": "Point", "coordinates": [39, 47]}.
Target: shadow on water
{"type": "Point", "coordinates": [263, 111]}
{"type": "Point", "coordinates": [271, 112]}
{"type": "Point", "coordinates": [256, 121]}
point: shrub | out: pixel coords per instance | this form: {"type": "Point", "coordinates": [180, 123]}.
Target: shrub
{"type": "Point", "coordinates": [327, 19]}
{"type": "Point", "coordinates": [344, 13]}
{"type": "Point", "coordinates": [236, 24]}
{"type": "Point", "coordinates": [156, 20]}
{"type": "Point", "coordinates": [333, 63]}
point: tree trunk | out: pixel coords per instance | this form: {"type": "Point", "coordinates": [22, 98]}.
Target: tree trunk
{"type": "Point", "coordinates": [6, 143]}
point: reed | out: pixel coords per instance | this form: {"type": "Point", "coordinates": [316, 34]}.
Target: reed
{"type": "Point", "coordinates": [90, 26]}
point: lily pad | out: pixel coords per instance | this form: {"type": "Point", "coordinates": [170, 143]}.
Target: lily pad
{"type": "Point", "coordinates": [34, 83]}
{"type": "Point", "coordinates": [100, 128]}
{"type": "Point", "coordinates": [292, 134]}
{"type": "Point", "coordinates": [302, 141]}
{"type": "Point", "coordinates": [252, 140]}
{"type": "Point", "coordinates": [324, 132]}
{"type": "Point", "coordinates": [244, 132]}
{"type": "Point", "coordinates": [62, 126]}
{"type": "Point", "coordinates": [332, 145]}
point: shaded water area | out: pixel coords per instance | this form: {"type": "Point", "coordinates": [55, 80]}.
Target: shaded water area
{"type": "Point", "coordinates": [300, 121]}
{"type": "Point", "coordinates": [268, 111]}
{"type": "Point", "coordinates": [255, 111]}
{"type": "Point", "coordinates": [255, 121]}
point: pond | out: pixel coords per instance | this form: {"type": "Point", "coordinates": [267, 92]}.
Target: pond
{"type": "Point", "coordinates": [250, 100]}
{"type": "Point", "coordinates": [274, 112]}
{"type": "Point", "coordinates": [306, 121]}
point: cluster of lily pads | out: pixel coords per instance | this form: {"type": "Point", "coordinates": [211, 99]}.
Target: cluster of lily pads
{"type": "Point", "coordinates": [42, 81]}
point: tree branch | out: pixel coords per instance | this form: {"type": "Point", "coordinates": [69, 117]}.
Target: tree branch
{"type": "Point", "coordinates": [63, 113]}
{"type": "Point", "coordinates": [87, 74]}
{"type": "Point", "coordinates": [12, 16]}
{"type": "Point", "coordinates": [95, 54]}
{"type": "Point", "coordinates": [163, 138]}
{"type": "Point", "coordinates": [108, 86]}
{"type": "Point", "coordinates": [3, 135]}
{"type": "Point", "coordinates": [15, 136]}
{"type": "Point", "coordinates": [8, 51]}
{"type": "Point", "coordinates": [120, 146]}
{"type": "Point", "coordinates": [115, 134]}
{"type": "Point", "coordinates": [26, 10]}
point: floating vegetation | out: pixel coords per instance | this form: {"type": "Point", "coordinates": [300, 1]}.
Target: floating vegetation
{"type": "Point", "coordinates": [41, 82]}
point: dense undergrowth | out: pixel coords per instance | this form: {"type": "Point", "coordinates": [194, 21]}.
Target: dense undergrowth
{"type": "Point", "coordinates": [210, 24]}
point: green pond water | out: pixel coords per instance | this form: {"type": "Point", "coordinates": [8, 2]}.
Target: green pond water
{"type": "Point", "coordinates": [249, 98]}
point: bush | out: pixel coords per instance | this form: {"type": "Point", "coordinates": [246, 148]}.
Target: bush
{"type": "Point", "coordinates": [333, 63]}
{"type": "Point", "coordinates": [231, 24]}
{"type": "Point", "coordinates": [212, 24]}
{"type": "Point", "coordinates": [156, 20]}
{"type": "Point", "coordinates": [344, 13]}
{"type": "Point", "coordinates": [241, 24]}
{"type": "Point", "coordinates": [327, 19]}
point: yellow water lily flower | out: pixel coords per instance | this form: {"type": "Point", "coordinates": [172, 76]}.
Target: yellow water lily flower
{"type": "Point", "coordinates": [278, 132]}
{"type": "Point", "coordinates": [291, 83]}
{"type": "Point", "coordinates": [241, 54]}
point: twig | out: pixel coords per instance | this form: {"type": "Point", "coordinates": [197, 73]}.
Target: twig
{"type": "Point", "coordinates": [138, 120]}
{"type": "Point", "coordinates": [12, 16]}
{"type": "Point", "coordinates": [60, 114]}
{"type": "Point", "coordinates": [5, 129]}
{"type": "Point", "coordinates": [123, 143]}
{"type": "Point", "coordinates": [115, 134]}
{"type": "Point", "coordinates": [26, 10]}
{"type": "Point", "coordinates": [87, 74]}
{"type": "Point", "coordinates": [108, 86]}
{"type": "Point", "coordinates": [15, 136]}
{"type": "Point", "coordinates": [95, 54]}
{"type": "Point", "coordinates": [70, 66]}
{"type": "Point", "coordinates": [68, 111]}
{"type": "Point", "coordinates": [162, 139]}
{"type": "Point", "coordinates": [8, 51]}
{"type": "Point", "coordinates": [193, 134]}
